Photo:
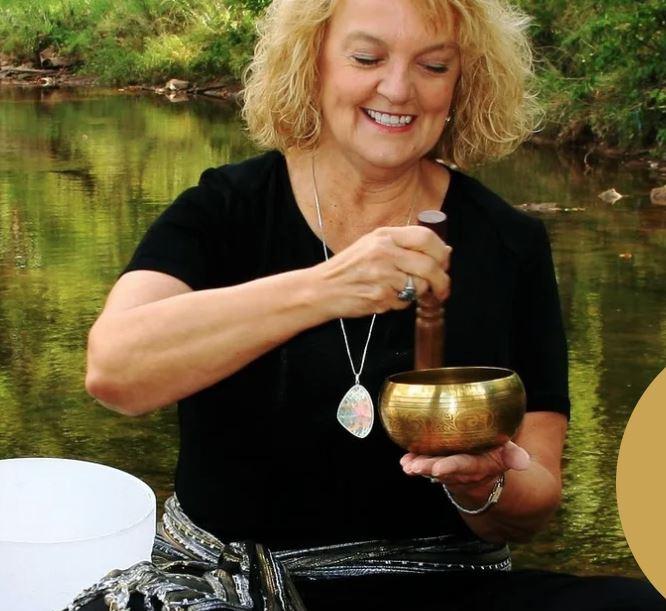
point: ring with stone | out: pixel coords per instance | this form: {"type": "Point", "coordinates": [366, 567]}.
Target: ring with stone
{"type": "Point", "coordinates": [408, 293]}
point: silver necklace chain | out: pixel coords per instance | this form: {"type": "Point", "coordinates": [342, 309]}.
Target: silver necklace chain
{"type": "Point", "coordinates": [357, 374]}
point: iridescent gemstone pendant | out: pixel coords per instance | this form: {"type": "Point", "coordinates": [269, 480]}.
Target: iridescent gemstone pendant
{"type": "Point", "coordinates": [356, 412]}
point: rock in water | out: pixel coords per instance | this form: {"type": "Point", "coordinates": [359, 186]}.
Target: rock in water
{"type": "Point", "coordinates": [541, 207]}
{"type": "Point", "coordinates": [610, 196]}
{"type": "Point", "coordinates": [177, 96]}
{"type": "Point", "coordinates": [177, 85]}
{"type": "Point", "coordinates": [658, 196]}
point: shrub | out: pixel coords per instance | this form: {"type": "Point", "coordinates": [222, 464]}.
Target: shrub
{"type": "Point", "coordinates": [601, 70]}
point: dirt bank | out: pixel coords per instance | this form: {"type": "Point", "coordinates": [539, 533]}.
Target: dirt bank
{"type": "Point", "coordinates": [29, 76]}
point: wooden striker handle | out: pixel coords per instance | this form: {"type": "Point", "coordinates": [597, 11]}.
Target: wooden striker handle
{"type": "Point", "coordinates": [429, 331]}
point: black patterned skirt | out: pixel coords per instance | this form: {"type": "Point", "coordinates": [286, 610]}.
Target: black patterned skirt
{"type": "Point", "coordinates": [192, 570]}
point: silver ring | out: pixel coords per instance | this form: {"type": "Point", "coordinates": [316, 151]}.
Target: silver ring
{"type": "Point", "coordinates": [408, 293]}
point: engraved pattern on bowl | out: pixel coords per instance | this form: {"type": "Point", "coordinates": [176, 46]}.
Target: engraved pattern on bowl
{"type": "Point", "coordinates": [452, 409]}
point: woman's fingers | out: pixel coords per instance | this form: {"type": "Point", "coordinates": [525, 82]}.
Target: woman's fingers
{"type": "Point", "coordinates": [467, 468]}
{"type": "Point", "coordinates": [420, 239]}
{"type": "Point", "coordinates": [456, 469]}
{"type": "Point", "coordinates": [420, 285]}
{"type": "Point", "coordinates": [515, 457]}
{"type": "Point", "coordinates": [423, 267]}
{"type": "Point", "coordinates": [421, 254]}
{"type": "Point", "coordinates": [367, 277]}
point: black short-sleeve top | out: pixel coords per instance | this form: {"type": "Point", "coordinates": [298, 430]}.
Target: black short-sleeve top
{"type": "Point", "coordinates": [262, 455]}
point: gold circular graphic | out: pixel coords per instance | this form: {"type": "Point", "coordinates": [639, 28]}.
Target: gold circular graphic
{"type": "Point", "coordinates": [641, 482]}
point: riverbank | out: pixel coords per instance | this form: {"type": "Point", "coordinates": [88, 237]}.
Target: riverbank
{"type": "Point", "coordinates": [176, 90]}
{"type": "Point", "coordinates": [228, 89]}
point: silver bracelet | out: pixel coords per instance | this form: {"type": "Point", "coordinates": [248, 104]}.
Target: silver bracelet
{"type": "Point", "coordinates": [493, 497]}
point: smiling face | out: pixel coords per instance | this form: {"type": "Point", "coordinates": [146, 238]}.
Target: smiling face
{"type": "Point", "coordinates": [387, 80]}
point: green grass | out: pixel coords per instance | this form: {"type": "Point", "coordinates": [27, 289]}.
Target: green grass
{"type": "Point", "coordinates": [135, 40]}
{"type": "Point", "coordinates": [601, 69]}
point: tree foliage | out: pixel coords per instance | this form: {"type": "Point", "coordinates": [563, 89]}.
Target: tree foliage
{"type": "Point", "coordinates": [135, 40]}
{"type": "Point", "coordinates": [602, 71]}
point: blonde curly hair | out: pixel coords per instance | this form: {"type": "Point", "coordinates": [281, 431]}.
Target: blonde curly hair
{"type": "Point", "coordinates": [494, 108]}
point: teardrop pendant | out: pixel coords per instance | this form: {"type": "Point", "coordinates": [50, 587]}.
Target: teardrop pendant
{"type": "Point", "coordinates": [356, 412]}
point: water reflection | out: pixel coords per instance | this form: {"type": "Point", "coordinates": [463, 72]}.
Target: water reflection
{"type": "Point", "coordinates": [82, 176]}
{"type": "Point", "coordinates": [610, 265]}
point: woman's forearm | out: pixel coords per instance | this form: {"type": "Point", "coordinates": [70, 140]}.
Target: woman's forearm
{"type": "Point", "coordinates": [156, 346]}
{"type": "Point", "coordinates": [150, 355]}
{"type": "Point", "coordinates": [527, 502]}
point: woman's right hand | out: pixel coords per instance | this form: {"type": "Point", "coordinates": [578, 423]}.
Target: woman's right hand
{"type": "Point", "coordinates": [158, 341]}
{"type": "Point", "coordinates": [366, 277]}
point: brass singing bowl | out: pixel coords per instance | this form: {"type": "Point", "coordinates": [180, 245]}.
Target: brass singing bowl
{"type": "Point", "coordinates": [452, 410]}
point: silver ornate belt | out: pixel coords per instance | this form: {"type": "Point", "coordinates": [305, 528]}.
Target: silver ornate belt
{"type": "Point", "coordinates": [194, 571]}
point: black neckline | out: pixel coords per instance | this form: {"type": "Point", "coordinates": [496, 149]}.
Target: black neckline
{"type": "Point", "coordinates": [445, 206]}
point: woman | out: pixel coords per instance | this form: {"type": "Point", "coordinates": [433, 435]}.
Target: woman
{"type": "Point", "coordinates": [231, 304]}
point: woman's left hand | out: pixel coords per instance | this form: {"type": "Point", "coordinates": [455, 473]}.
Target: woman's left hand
{"type": "Point", "coordinates": [533, 484]}
{"type": "Point", "coordinates": [467, 469]}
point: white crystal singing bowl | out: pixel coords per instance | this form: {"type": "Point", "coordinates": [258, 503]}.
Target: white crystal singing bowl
{"type": "Point", "coordinates": [64, 524]}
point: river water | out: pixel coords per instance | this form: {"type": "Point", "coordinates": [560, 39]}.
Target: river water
{"type": "Point", "coordinates": [83, 174]}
